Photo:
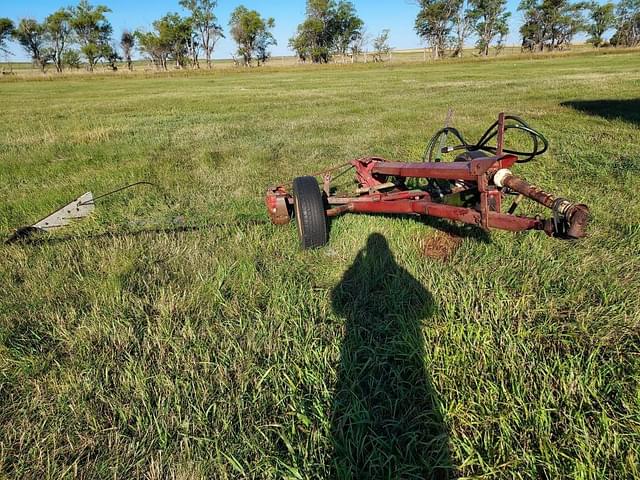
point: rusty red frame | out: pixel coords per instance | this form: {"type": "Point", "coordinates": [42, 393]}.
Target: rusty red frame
{"type": "Point", "coordinates": [489, 176]}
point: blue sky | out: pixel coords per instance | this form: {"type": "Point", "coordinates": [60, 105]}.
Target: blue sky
{"type": "Point", "coordinates": [396, 15]}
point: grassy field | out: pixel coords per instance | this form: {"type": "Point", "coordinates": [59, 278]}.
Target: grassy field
{"type": "Point", "coordinates": [131, 347]}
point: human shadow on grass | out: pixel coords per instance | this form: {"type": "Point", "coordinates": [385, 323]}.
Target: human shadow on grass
{"type": "Point", "coordinates": [386, 420]}
{"type": "Point", "coordinates": [626, 110]}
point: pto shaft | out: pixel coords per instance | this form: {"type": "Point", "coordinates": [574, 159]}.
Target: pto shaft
{"type": "Point", "coordinates": [569, 219]}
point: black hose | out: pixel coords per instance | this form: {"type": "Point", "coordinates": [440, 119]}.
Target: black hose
{"type": "Point", "coordinates": [540, 143]}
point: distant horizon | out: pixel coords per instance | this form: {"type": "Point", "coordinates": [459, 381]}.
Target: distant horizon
{"type": "Point", "coordinates": [398, 18]}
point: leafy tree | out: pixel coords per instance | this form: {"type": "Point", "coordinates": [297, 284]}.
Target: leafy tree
{"type": "Point", "coordinates": [32, 36]}
{"type": "Point", "coordinates": [127, 43]}
{"type": "Point", "coordinates": [6, 31]}
{"type": "Point", "coordinates": [262, 49]}
{"type": "Point", "coordinates": [112, 57]}
{"type": "Point", "coordinates": [602, 19]}
{"type": "Point", "coordinates": [433, 23]}
{"type": "Point", "coordinates": [71, 58]}
{"type": "Point", "coordinates": [628, 27]}
{"type": "Point", "coordinates": [490, 20]}
{"type": "Point", "coordinates": [308, 42]}
{"type": "Point", "coordinates": [93, 31]}
{"type": "Point", "coordinates": [550, 24]}
{"type": "Point", "coordinates": [193, 45]}
{"type": "Point", "coordinates": [301, 44]}
{"type": "Point", "coordinates": [252, 33]}
{"type": "Point", "coordinates": [205, 23]}
{"type": "Point", "coordinates": [345, 27]}
{"type": "Point", "coordinates": [328, 28]}
{"type": "Point", "coordinates": [175, 33]}
{"type": "Point", "coordinates": [462, 25]}
{"type": "Point", "coordinates": [170, 40]}
{"type": "Point", "coordinates": [58, 29]}
{"type": "Point", "coordinates": [381, 46]}
{"type": "Point", "coordinates": [314, 38]}
{"type": "Point", "coordinates": [156, 48]}
{"type": "Point", "coordinates": [533, 30]}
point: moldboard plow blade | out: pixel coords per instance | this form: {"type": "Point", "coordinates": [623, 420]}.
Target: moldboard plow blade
{"type": "Point", "coordinates": [78, 209]}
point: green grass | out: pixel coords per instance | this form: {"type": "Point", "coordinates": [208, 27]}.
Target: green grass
{"type": "Point", "coordinates": [226, 352]}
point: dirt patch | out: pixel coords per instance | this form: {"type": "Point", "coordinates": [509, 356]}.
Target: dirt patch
{"type": "Point", "coordinates": [440, 246]}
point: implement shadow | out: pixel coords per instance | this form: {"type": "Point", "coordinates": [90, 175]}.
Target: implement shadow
{"type": "Point", "coordinates": [31, 237]}
{"type": "Point", "coordinates": [386, 420]}
{"type": "Point", "coordinates": [627, 110]}
{"type": "Point", "coordinates": [456, 229]}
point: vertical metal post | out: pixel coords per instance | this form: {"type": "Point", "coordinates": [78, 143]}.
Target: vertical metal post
{"type": "Point", "coordinates": [483, 186]}
{"type": "Point", "coordinates": [500, 145]}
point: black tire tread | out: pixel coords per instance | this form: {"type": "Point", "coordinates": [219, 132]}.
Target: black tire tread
{"type": "Point", "coordinates": [310, 212]}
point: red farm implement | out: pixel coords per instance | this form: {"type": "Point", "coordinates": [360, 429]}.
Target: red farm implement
{"type": "Point", "coordinates": [470, 189]}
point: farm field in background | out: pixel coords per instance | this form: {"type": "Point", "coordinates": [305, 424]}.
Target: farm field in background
{"type": "Point", "coordinates": [22, 68]}
{"type": "Point", "coordinates": [174, 335]}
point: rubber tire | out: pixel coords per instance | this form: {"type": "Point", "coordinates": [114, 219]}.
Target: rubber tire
{"type": "Point", "coordinates": [309, 211]}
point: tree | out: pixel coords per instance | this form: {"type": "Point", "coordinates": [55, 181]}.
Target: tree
{"type": "Point", "coordinates": [205, 22]}
{"type": "Point", "coordinates": [359, 45]}
{"type": "Point", "coordinates": [533, 30]}
{"type": "Point", "coordinates": [175, 34]}
{"type": "Point", "coordinates": [550, 24]}
{"type": "Point", "coordinates": [6, 31]}
{"type": "Point", "coordinates": [71, 59]}
{"type": "Point", "coordinates": [381, 46]}
{"type": "Point", "coordinates": [32, 36]}
{"type": "Point", "coordinates": [602, 19]}
{"type": "Point", "coordinates": [310, 42]}
{"type": "Point", "coordinates": [156, 48]}
{"type": "Point", "coordinates": [252, 33]}
{"type": "Point", "coordinates": [127, 43]}
{"type": "Point", "coordinates": [262, 49]}
{"type": "Point", "coordinates": [462, 25]}
{"type": "Point", "coordinates": [193, 46]}
{"type": "Point", "coordinates": [345, 27]}
{"type": "Point", "coordinates": [112, 57]}
{"type": "Point", "coordinates": [313, 38]}
{"type": "Point", "coordinates": [433, 23]}
{"type": "Point", "coordinates": [93, 31]}
{"type": "Point", "coordinates": [328, 28]}
{"type": "Point", "coordinates": [58, 29]}
{"type": "Point", "coordinates": [301, 45]}
{"type": "Point", "coordinates": [489, 19]}
{"type": "Point", "coordinates": [628, 27]}
{"type": "Point", "coordinates": [170, 39]}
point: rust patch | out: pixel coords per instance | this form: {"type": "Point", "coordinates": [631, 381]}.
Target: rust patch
{"type": "Point", "coordinates": [441, 246]}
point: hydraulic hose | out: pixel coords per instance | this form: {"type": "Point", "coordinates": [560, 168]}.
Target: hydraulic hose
{"type": "Point", "coordinates": [540, 143]}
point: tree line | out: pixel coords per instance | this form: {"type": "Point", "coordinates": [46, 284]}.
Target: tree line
{"type": "Point", "coordinates": [82, 35]}
{"type": "Point", "coordinates": [548, 25]}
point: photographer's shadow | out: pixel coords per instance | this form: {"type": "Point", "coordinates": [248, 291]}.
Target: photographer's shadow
{"type": "Point", "coordinates": [386, 421]}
